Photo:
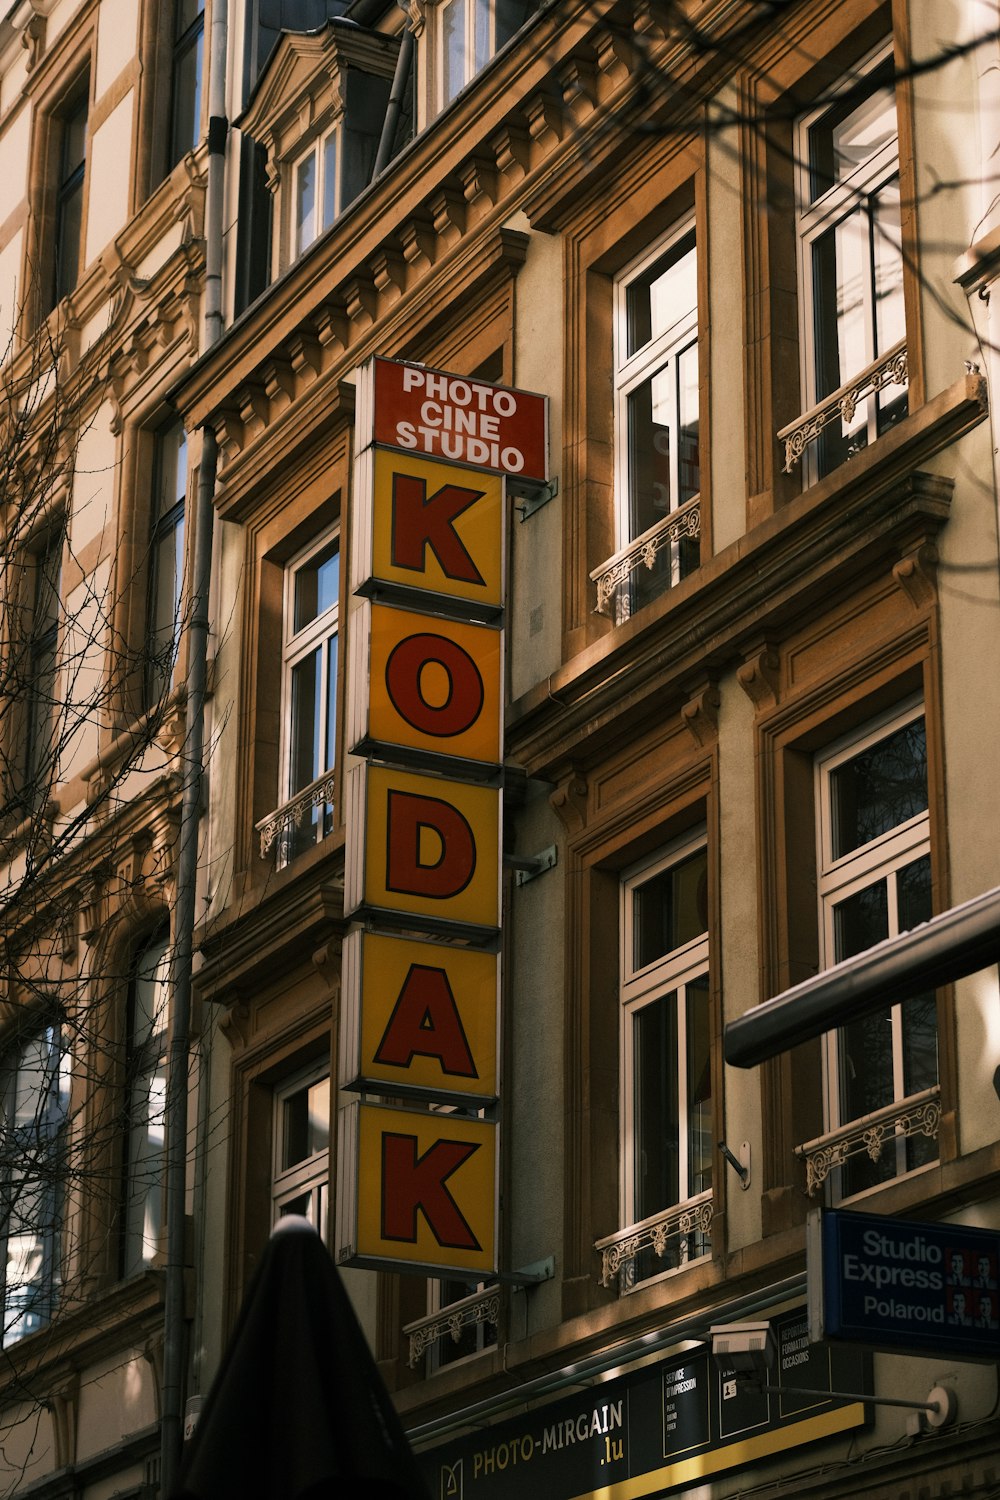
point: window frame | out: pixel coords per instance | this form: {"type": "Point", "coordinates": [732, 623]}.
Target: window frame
{"type": "Point", "coordinates": [51, 1137]}
{"type": "Point", "coordinates": [36, 760]}
{"type": "Point", "coordinates": [69, 193]}
{"type": "Point", "coordinates": [838, 879]}
{"type": "Point", "coordinates": [473, 60]}
{"type": "Point", "coordinates": [311, 1173]}
{"type": "Point", "coordinates": [633, 369]}
{"type": "Point", "coordinates": [191, 39]}
{"type": "Point", "coordinates": [142, 1060]}
{"type": "Point", "coordinates": [318, 153]}
{"type": "Point", "coordinates": [819, 216]}
{"type": "Point", "coordinates": [640, 988]}
{"type": "Point", "coordinates": [167, 534]}
{"type": "Point", "coordinates": [296, 647]}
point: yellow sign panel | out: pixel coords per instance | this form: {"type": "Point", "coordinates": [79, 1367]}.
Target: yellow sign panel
{"type": "Point", "coordinates": [428, 1016]}
{"type": "Point", "coordinates": [434, 684]}
{"type": "Point", "coordinates": [432, 847]}
{"type": "Point", "coordinates": [426, 1189]}
{"type": "Point", "coordinates": [438, 527]}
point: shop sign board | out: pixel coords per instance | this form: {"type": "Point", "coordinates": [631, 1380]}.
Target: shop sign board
{"type": "Point", "coordinates": [669, 1426]}
{"type": "Point", "coordinates": [426, 1021]}
{"type": "Point", "coordinates": [423, 810]}
{"type": "Point", "coordinates": [418, 1190]}
{"type": "Point", "coordinates": [461, 419]}
{"type": "Point", "coordinates": [922, 1288]}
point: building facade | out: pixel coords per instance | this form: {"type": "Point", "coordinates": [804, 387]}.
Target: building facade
{"type": "Point", "coordinates": [750, 631]}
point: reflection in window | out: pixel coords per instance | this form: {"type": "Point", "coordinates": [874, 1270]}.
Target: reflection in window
{"type": "Point", "coordinates": [34, 1107]}
{"type": "Point", "coordinates": [666, 1057]}
{"type": "Point", "coordinates": [851, 258]}
{"type": "Point", "coordinates": [470, 32]}
{"type": "Point", "coordinates": [145, 1122]}
{"type": "Point", "coordinates": [875, 883]}
{"type": "Point", "coordinates": [309, 718]}
{"type": "Point", "coordinates": [166, 563]}
{"type": "Point", "coordinates": [186, 77]}
{"type": "Point", "coordinates": [301, 1166]}
{"type": "Point", "coordinates": [657, 403]}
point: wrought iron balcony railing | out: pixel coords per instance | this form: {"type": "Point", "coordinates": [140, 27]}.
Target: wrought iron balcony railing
{"type": "Point", "coordinates": [481, 1307]}
{"type": "Point", "coordinates": [920, 1114]}
{"type": "Point", "coordinates": [284, 826]}
{"type": "Point", "coordinates": [683, 1229]}
{"type": "Point", "coordinates": [841, 404]}
{"type": "Point", "coordinates": [614, 578]}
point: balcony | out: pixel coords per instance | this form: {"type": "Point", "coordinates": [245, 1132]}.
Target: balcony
{"type": "Point", "coordinates": [480, 1308]}
{"type": "Point", "coordinates": [677, 1236]}
{"type": "Point", "coordinates": [919, 1115]}
{"type": "Point", "coordinates": [667, 552]}
{"type": "Point", "coordinates": [842, 404]}
{"type": "Point", "coordinates": [299, 823]}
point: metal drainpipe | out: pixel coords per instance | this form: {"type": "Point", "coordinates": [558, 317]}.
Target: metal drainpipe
{"type": "Point", "coordinates": [174, 1329]}
{"type": "Point", "coordinates": [395, 105]}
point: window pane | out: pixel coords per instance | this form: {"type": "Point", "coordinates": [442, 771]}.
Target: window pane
{"type": "Point", "coordinates": [656, 1127]}
{"type": "Point", "coordinates": [664, 295]}
{"type": "Point", "coordinates": [861, 921]}
{"type": "Point", "coordinates": [452, 49]}
{"type": "Point", "coordinates": [879, 789]}
{"type": "Point", "coordinates": [669, 910]}
{"type": "Point", "coordinates": [306, 1123]}
{"type": "Point", "coordinates": [171, 462]}
{"type": "Point", "coordinates": [307, 695]}
{"type": "Point", "coordinates": [484, 41]}
{"type": "Point", "coordinates": [185, 129]}
{"type": "Point", "coordinates": [68, 229]}
{"type": "Point", "coordinates": [331, 704]}
{"type": "Point", "coordinates": [688, 461]}
{"type": "Point", "coordinates": [699, 1088]}
{"type": "Point", "coordinates": [186, 14]}
{"type": "Point", "coordinates": [317, 586]}
{"type": "Point", "coordinates": [329, 180]}
{"type": "Point", "coordinates": [848, 135]}
{"type": "Point", "coordinates": [510, 17]}
{"type": "Point", "coordinates": [150, 993]}
{"type": "Point", "coordinates": [890, 320]}
{"type": "Point", "coordinates": [920, 1069]}
{"type": "Point", "coordinates": [649, 422]}
{"type": "Point", "coordinates": [305, 203]}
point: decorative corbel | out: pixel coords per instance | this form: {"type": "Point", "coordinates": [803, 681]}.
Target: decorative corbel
{"type": "Point", "coordinates": [61, 1403]}
{"type": "Point", "coordinates": [701, 714]}
{"type": "Point", "coordinates": [916, 572]}
{"type": "Point", "coordinates": [760, 677]}
{"type": "Point", "coordinates": [569, 801]}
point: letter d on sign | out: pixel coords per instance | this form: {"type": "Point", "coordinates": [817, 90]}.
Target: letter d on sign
{"type": "Point", "coordinates": [430, 848]}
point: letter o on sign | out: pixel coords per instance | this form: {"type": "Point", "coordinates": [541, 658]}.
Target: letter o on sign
{"type": "Point", "coordinates": [405, 680]}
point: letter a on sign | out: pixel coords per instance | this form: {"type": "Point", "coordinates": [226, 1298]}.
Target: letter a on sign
{"type": "Point", "coordinates": [426, 1017]}
{"type": "Point", "coordinates": [426, 1189]}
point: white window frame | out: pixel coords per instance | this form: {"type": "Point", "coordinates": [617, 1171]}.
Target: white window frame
{"type": "Point", "coordinates": [318, 153]}
{"type": "Point", "coordinates": [838, 879]}
{"type": "Point", "coordinates": [673, 971]}
{"type": "Point", "coordinates": [473, 63]}
{"type": "Point", "coordinates": [311, 1174]}
{"type": "Point", "coordinates": [631, 371]}
{"type": "Point", "coordinates": [813, 219]}
{"type": "Point", "coordinates": [296, 647]}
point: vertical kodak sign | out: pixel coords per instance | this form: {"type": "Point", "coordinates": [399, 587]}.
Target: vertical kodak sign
{"type": "Point", "coordinates": [417, 1186]}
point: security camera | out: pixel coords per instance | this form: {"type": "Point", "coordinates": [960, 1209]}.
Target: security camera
{"type": "Point", "coordinates": [744, 1348]}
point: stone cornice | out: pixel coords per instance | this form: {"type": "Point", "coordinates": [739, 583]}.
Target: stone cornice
{"type": "Point", "coordinates": [547, 116]}
{"type": "Point", "coordinates": [861, 519]}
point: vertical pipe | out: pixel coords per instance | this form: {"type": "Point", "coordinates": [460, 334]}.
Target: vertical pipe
{"type": "Point", "coordinates": [174, 1341]}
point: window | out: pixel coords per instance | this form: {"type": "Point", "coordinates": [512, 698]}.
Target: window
{"type": "Point", "coordinates": [850, 258]}
{"type": "Point", "coordinates": [666, 1088]}
{"type": "Point", "coordinates": [874, 883]}
{"type": "Point", "coordinates": [166, 563]}
{"type": "Point", "coordinates": [38, 759]}
{"type": "Point", "coordinates": [34, 1106]}
{"type": "Point", "coordinates": [186, 77]}
{"type": "Point", "coordinates": [309, 689]}
{"type": "Point", "coordinates": [475, 1330]}
{"type": "Point", "coordinates": [656, 407]}
{"type": "Point", "coordinates": [301, 1169]}
{"type": "Point", "coordinates": [69, 199]}
{"type": "Point", "coordinates": [317, 191]}
{"type": "Point", "coordinates": [145, 1120]}
{"type": "Point", "coordinates": [469, 33]}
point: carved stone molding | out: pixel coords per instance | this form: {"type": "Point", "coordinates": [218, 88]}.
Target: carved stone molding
{"type": "Point", "coordinates": [917, 574]}
{"type": "Point", "coordinates": [701, 715]}
{"type": "Point", "coordinates": [759, 677]}
{"type": "Point", "coordinates": [569, 801]}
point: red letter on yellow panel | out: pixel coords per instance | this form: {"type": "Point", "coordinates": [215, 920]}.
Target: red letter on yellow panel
{"type": "Point", "coordinates": [426, 1189]}
{"type": "Point", "coordinates": [432, 847]}
{"type": "Point", "coordinates": [438, 527]}
{"type": "Point", "coordinates": [435, 685]}
{"type": "Point", "coordinates": [428, 1017]}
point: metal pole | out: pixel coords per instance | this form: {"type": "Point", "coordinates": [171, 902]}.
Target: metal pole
{"type": "Point", "coordinates": [175, 1193]}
